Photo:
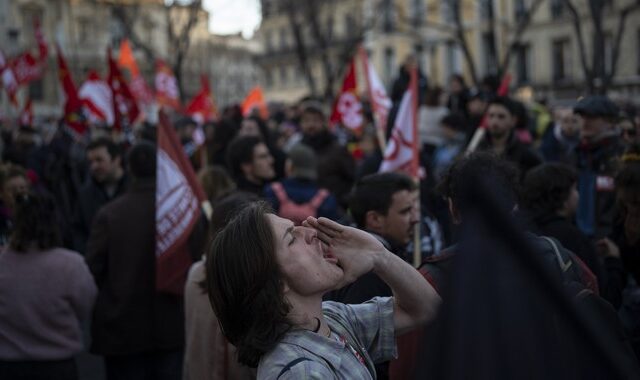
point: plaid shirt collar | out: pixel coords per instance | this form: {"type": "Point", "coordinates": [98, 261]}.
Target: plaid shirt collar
{"type": "Point", "coordinates": [328, 349]}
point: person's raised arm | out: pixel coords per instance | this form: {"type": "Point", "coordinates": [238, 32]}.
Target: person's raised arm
{"type": "Point", "coordinates": [358, 252]}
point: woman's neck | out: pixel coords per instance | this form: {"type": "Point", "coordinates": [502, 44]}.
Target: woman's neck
{"type": "Point", "coordinates": [306, 313]}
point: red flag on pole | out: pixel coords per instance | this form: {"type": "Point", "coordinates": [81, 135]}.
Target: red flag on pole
{"type": "Point", "coordinates": [255, 99]}
{"type": "Point", "coordinates": [167, 92]}
{"type": "Point", "coordinates": [380, 102]}
{"type": "Point", "coordinates": [201, 108]}
{"type": "Point", "coordinates": [125, 108]}
{"type": "Point", "coordinates": [178, 199]}
{"type": "Point", "coordinates": [401, 152]}
{"type": "Point", "coordinates": [73, 115]}
{"type": "Point", "coordinates": [347, 109]}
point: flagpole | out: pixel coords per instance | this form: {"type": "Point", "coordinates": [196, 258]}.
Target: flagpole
{"type": "Point", "coordinates": [379, 133]}
{"type": "Point", "coordinates": [415, 166]}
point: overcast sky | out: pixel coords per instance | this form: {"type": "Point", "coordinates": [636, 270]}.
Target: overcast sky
{"type": "Point", "coordinates": [233, 16]}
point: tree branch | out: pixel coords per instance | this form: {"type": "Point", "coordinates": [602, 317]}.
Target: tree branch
{"type": "Point", "coordinates": [577, 26]}
{"type": "Point", "coordinates": [524, 23]}
{"type": "Point", "coordinates": [615, 54]}
{"type": "Point", "coordinates": [127, 18]}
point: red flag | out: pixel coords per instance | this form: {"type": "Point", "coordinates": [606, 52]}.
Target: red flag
{"type": "Point", "coordinates": [167, 92]}
{"type": "Point", "coordinates": [347, 109]}
{"type": "Point", "coordinates": [401, 153]}
{"type": "Point", "coordinates": [255, 99]}
{"type": "Point", "coordinates": [26, 116]}
{"type": "Point", "coordinates": [125, 108]}
{"type": "Point", "coordinates": [73, 115]}
{"type": "Point", "coordinates": [26, 68]}
{"type": "Point", "coordinates": [201, 108]}
{"type": "Point", "coordinates": [178, 199]}
{"type": "Point", "coordinates": [137, 85]}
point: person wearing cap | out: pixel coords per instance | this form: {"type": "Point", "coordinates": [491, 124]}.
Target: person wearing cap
{"type": "Point", "coordinates": [300, 186]}
{"type": "Point", "coordinates": [596, 159]}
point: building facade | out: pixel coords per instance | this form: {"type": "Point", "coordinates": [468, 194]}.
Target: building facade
{"type": "Point", "coordinates": [84, 29]}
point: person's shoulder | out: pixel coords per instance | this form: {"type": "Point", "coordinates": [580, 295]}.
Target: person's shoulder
{"type": "Point", "coordinates": [288, 361]}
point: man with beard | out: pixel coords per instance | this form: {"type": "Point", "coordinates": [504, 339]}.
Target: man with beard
{"type": "Point", "coordinates": [107, 181]}
{"type": "Point", "coordinates": [336, 168]}
{"type": "Point", "coordinates": [500, 139]}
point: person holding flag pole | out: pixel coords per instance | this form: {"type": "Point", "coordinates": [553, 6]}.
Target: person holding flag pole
{"type": "Point", "coordinates": [401, 152]}
{"type": "Point", "coordinates": [479, 134]}
{"type": "Point", "coordinates": [380, 102]}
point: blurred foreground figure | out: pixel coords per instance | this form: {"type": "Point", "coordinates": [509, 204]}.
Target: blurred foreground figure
{"type": "Point", "coordinates": [45, 294]}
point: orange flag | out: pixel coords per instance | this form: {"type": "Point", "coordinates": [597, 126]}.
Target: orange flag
{"type": "Point", "coordinates": [126, 60]}
{"type": "Point", "coordinates": [167, 92]}
{"type": "Point", "coordinates": [254, 99]}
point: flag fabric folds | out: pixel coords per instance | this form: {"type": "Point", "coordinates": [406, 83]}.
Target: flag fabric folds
{"type": "Point", "coordinates": [255, 99]}
{"type": "Point", "coordinates": [138, 86]}
{"type": "Point", "coordinates": [167, 92]}
{"type": "Point", "coordinates": [125, 108]}
{"type": "Point", "coordinates": [73, 115]}
{"type": "Point", "coordinates": [202, 108]}
{"type": "Point", "coordinates": [401, 152]}
{"type": "Point", "coordinates": [178, 199]}
{"type": "Point", "coordinates": [347, 109]}
{"type": "Point", "coordinates": [380, 102]}
{"type": "Point", "coordinates": [26, 116]}
{"type": "Point", "coordinates": [97, 97]}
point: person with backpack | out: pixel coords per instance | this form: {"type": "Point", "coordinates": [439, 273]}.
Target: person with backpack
{"type": "Point", "coordinates": [298, 196]}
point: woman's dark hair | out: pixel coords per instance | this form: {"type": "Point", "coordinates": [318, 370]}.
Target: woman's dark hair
{"type": "Point", "coordinates": [245, 284]}
{"type": "Point", "coordinates": [547, 187]}
{"type": "Point", "coordinates": [35, 222]}
{"type": "Point", "coordinates": [223, 210]}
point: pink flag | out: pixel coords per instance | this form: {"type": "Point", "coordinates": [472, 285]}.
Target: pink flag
{"type": "Point", "coordinates": [401, 153]}
{"type": "Point", "coordinates": [347, 109]}
{"type": "Point", "coordinates": [178, 199]}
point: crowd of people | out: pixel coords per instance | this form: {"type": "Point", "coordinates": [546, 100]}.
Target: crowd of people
{"type": "Point", "coordinates": [281, 278]}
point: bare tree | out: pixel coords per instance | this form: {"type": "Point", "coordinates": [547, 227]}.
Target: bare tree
{"type": "Point", "coordinates": [598, 78]}
{"type": "Point", "coordinates": [314, 18]}
{"type": "Point", "coordinates": [181, 18]}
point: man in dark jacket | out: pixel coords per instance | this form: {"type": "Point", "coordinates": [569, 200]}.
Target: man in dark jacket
{"type": "Point", "coordinates": [250, 164]}
{"type": "Point", "coordinates": [501, 121]}
{"type": "Point", "coordinates": [596, 159]}
{"type": "Point", "coordinates": [139, 331]}
{"type": "Point", "coordinates": [107, 180]}
{"type": "Point", "coordinates": [336, 167]}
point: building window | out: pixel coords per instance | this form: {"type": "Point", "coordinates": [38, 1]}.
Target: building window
{"type": "Point", "coordinates": [29, 14]}
{"type": "Point", "coordinates": [283, 39]}
{"type": "Point", "coordinates": [349, 26]}
{"type": "Point", "coordinates": [389, 60]}
{"type": "Point", "coordinates": [388, 25]}
{"type": "Point", "coordinates": [523, 56]}
{"type": "Point", "coordinates": [447, 12]}
{"type": "Point", "coordinates": [557, 9]}
{"type": "Point", "coordinates": [560, 57]}
{"type": "Point", "coordinates": [486, 9]}
{"type": "Point", "coordinates": [419, 55]}
{"type": "Point", "coordinates": [329, 31]}
{"type": "Point", "coordinates": [283, 76]}
{"type": "Point", "coordinates": [608, 52]}
{"type": "Point", "coordinates": [418, 12]}
{"type": "Point", "coordinates": [268, 77]}
{"type": "Point", "coordinates": [36, 90]}
{"type": "Point", "coordinates": [453, 59]}
{"type": "Point", "coordinates": [489, 53]}
{"type": "Point", "coordinates": [84, 30]}
{"type": "Point", "coordinates": [520, 9]}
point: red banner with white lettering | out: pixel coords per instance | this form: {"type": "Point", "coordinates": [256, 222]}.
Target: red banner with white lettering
{"type": "Point", "coordinates": [125, 108]}
{"type": "Point", "coordinates": [178, 199]}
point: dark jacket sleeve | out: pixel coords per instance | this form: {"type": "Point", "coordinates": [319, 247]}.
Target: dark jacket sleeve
{"type": "Point", "coordinates": [97, 248]}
